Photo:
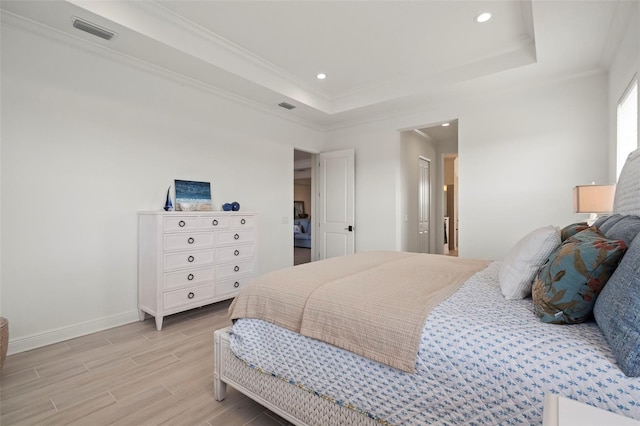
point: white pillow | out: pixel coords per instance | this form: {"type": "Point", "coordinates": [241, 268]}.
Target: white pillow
{"type": "Point", "coordinates": [522, 263]}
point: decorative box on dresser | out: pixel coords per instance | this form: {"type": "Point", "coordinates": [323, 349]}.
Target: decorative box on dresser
{"type": "Point", "coordinates": [190, 259]}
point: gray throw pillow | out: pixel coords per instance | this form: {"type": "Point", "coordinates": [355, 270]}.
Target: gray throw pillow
{"type": "Point", "coordinates": [624, 229]}
{"type": "Point", "coordinates": [605, 223]}
{"type": "Point", "coordinates": [617, 311]}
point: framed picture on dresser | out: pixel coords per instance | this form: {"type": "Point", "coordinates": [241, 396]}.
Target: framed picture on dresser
{"type": "Point", "coordinates": [192, 195]}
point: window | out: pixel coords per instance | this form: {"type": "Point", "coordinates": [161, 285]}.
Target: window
{"type": "Point", "coordinates": [627, 135]}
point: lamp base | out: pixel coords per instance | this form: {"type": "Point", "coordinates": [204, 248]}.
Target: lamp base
{"type": "Point", "coordinates": [592, 218]}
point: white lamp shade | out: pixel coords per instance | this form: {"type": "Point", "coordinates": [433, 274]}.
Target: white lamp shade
{"type": "Point", "coordinates": [593, 198]}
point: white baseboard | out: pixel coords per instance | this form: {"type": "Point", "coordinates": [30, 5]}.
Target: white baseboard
{"type": "Point", "coordinates": [34, 341]}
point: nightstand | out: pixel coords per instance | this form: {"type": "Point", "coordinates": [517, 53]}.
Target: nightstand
{"type": "Point", "coordinates": [561, 411]}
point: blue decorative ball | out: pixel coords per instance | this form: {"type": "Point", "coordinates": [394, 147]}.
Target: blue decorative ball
{"type": "Point", "coordinates": [235, 206]}
{"type": "Point", "coordinates": [226, 207]}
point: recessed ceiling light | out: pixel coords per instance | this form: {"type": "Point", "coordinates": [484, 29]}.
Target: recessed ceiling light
{"type": "Point", "coordinates": [483, 17]}
{"type": "Point", "coordinates": [321, 76]}
{"type": "Point", "coordinates": [445, 124]}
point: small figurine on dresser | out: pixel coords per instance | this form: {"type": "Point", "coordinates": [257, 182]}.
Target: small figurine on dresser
{"type": "Point", "coordinates": [168, 205]}
{"type": "Point", "coordinates": [228, 207]}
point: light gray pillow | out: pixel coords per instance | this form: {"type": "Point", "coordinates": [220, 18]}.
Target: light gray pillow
{"type": "Point", "coordinates": [522, 263]}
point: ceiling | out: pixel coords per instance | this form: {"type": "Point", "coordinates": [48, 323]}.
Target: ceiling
{"type": "Point", "coordinates": [380, 57]}
{"type": "Point", "coordinates": [441, 133]}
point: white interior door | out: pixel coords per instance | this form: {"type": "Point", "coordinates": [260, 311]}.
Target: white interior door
{"type": "Point", "coordinates": [336, 188]}
{"type": "Point", "coordinates": [424, 205]}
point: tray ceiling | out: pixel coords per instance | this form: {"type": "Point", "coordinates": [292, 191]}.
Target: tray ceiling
{"type": "Point", "coordinates": [378, 56]}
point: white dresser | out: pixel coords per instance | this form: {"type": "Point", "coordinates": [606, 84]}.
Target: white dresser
{"type": "Point", "coordinates": [190, 259]}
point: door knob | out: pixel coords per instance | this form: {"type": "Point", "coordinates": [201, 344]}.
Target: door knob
{"type": "Point", "coordinates": [349, 228]}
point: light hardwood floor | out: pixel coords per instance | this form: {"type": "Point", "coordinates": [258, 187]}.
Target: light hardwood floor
{"type": "Point", "coordinates": [301, 255]}
{"type": "Point", "coordinates": [128, 375]}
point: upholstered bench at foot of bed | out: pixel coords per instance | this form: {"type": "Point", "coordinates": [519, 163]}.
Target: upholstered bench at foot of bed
{"type": "Point", "coordinates": [283, 398]}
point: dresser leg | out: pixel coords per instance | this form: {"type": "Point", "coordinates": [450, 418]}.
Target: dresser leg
{"type": "Point", "coordinates": [141, 314]}
{"type": "Point", "coordinates": [159, 322]}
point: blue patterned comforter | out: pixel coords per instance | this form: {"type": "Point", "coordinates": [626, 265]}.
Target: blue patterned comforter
{"type": "Point", "coordinates": [483, 360]}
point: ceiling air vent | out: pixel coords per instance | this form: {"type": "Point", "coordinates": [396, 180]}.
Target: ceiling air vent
{"type": "Point", "coordinates": [286, 105]}
{"type": "Point", "coordinates": [94, 29]}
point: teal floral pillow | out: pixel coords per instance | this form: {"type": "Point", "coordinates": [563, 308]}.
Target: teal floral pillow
{"type": "Point", "coordinates": [569, 283]}
{"type": "Point", "coordinates": [571, 230]}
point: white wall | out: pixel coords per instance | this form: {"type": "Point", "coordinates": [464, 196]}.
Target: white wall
{"type": "Point", "coordinates": [520, 153]}
{"type": "Point", "coordinates": [626, 64]}
{"type": "Point", "coordinates": [520, 159]}
{"type": "Point", "coordinates": [377, 181]}
{"type": "Point", "coordinates": [87, 141]}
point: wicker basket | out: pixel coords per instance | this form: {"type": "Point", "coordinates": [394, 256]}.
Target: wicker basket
{"type": "Point", "coordinates": [4, 339]}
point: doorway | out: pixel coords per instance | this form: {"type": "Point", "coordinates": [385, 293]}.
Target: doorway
{"type": "Point", "coordinates": [438, 142]}
{"type": "Point", "coordinates": [303, 182]}
{"type": "Point", "coordinates": [424, 205]}
{"type": "Point", "coordinates": [450, 198]}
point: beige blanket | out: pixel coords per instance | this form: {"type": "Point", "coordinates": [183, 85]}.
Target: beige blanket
{"type": "Point", "coordinates": [373, 304]}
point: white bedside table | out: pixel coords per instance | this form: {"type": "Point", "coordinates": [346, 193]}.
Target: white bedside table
{"type": "Point", "coordinates": [561, 411]}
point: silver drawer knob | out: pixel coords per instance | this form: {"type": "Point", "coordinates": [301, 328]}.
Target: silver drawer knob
{"type": "Point", "coordinates": [235, 237]}
{"type": "Point", "coordinates": [236, 252]}
{"type": "Point", "coordinates": [243, 221]}
{"type": "Point", "coordinates": [191, 240]}
{"type": "Point", "coordinates": [181, 224]}
{"type": "Point", "coordinates": [190, 295]}
{"type": "Point", "coordinates": [236, 284]}
{"type": "Point", "coordinates": [191, 258]}
{"type": "Point", "coordinates": [237, 268]}
{"type": "Point", "coordinates": [190, 277]}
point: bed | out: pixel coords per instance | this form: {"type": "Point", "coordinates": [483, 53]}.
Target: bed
{"type": "Point", "coordinates": [489, 351]}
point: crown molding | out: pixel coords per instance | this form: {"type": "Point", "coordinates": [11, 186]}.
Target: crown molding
{"type": "Point", "coordinates": [163, 25]}
{"type": "Point", "coordinates": [104, 51]}
{"type": "Point", "coordinates": [174, 19]}
{"type": "Point", "coordinates": [449, 99]}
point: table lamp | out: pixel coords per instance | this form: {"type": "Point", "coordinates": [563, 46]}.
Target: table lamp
{"type": "Point", "coordinates": [593, 199]}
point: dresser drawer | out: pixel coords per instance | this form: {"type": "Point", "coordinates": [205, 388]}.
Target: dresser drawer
{"type": "Point", "coordinates": [243, 221]}
{"type": "Point", "coordinates": [195, 296]}
{"type": "Point", "coordinates": [173, 280]}
{"type": "Point", "coordinates": [230, 286]}
{"type": "Point", "coordinates": [180, 223]}
{"type": "Point", "coordinates": [187, 259]}
{"type": "Point", "coordinates": [179, 241]}
{"type": "Point", "coordinates": [240, 251]}
{"type": "Point", "coordinates": [237, 236]}
{"type": "Point", "coordinates": [243, 267]}
{"type": "Point", "coordinates": [214, 222]}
